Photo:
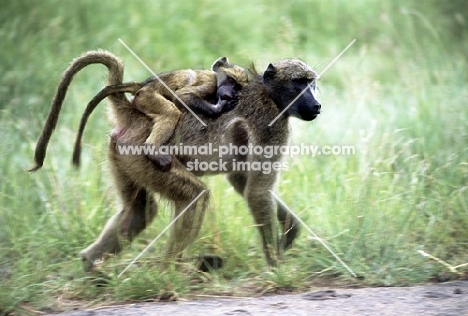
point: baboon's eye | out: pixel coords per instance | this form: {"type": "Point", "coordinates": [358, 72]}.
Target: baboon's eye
{"type": "Point", "coordinates": [231, 81]}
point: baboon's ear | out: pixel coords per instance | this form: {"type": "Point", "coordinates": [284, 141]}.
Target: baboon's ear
{"type": "Point", "coordinates": [220, 62]}
{"type": "Point", "coordinates": [269, 72]}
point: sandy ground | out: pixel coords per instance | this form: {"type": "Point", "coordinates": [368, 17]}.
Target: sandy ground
{"type": "Point", "coordinates": [444, 299]}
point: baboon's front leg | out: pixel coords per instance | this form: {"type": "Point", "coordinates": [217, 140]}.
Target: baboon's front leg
{"type": "Point", "coordinates": [289, 227]}
{"type": "Point", "coordinates": [289, 224]}
{"type": "Point", "coordinates": [262, 206]}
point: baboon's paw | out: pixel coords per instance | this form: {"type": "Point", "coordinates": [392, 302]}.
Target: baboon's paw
{"type": "Point", "coordinates": [99, 279]}
{"type": "Point", "coordinates": [88, 265]}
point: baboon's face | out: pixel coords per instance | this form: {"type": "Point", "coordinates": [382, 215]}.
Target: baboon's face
{"type": "Point", "coordinates": [230, 80]}
{"type": "Point", "coordinates": [285, 81]}
{"type": "Point", "coordinates": [227, 88]}
{"type": "Point", "coordinates": [306, 107]}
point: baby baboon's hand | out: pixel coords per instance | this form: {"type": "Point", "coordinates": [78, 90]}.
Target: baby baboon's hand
{"type": "Point", "coordinates": [229, 105]}
{"type": "Point", "coordinates": [220, 107]}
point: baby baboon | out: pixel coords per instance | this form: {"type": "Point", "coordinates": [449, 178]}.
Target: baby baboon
{"type": "Point", "coordinates": [196, 88]}
{"type": "Point", "coordinates": [192, 88]}
{"type": "Point", "coordinates": [137, 178]}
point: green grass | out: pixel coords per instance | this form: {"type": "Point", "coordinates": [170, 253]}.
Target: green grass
{"type": "Point", "coordinates": [399, 95]}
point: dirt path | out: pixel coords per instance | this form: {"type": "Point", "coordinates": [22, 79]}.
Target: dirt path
{"type": "Point", "coordinates": [446, 299]}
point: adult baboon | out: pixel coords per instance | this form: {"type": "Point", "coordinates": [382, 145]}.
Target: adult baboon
{"type": "Point", "coordinates": [137, 178]}
{"type": "Point", "coordinates": [260, 102]}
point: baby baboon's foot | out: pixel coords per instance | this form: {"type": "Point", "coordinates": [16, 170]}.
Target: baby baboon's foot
{"type": "Point", "coordinates": [163, 162]}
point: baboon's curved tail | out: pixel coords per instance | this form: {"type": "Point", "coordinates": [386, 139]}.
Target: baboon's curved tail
{"type": "Point", "coordinates": [116, 70]}
{"type": "Point", "coordinates": [109, 91]}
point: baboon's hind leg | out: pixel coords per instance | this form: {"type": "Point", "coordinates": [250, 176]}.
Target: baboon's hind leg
{"type": "Point", "coordinates": [181, 187]}
{"type": "Point", "coordinates": [138, 210]}
{"type": "Point", "coordinates": [187, 227]}
{"type": "Point", "coordinates": [165, 118]}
